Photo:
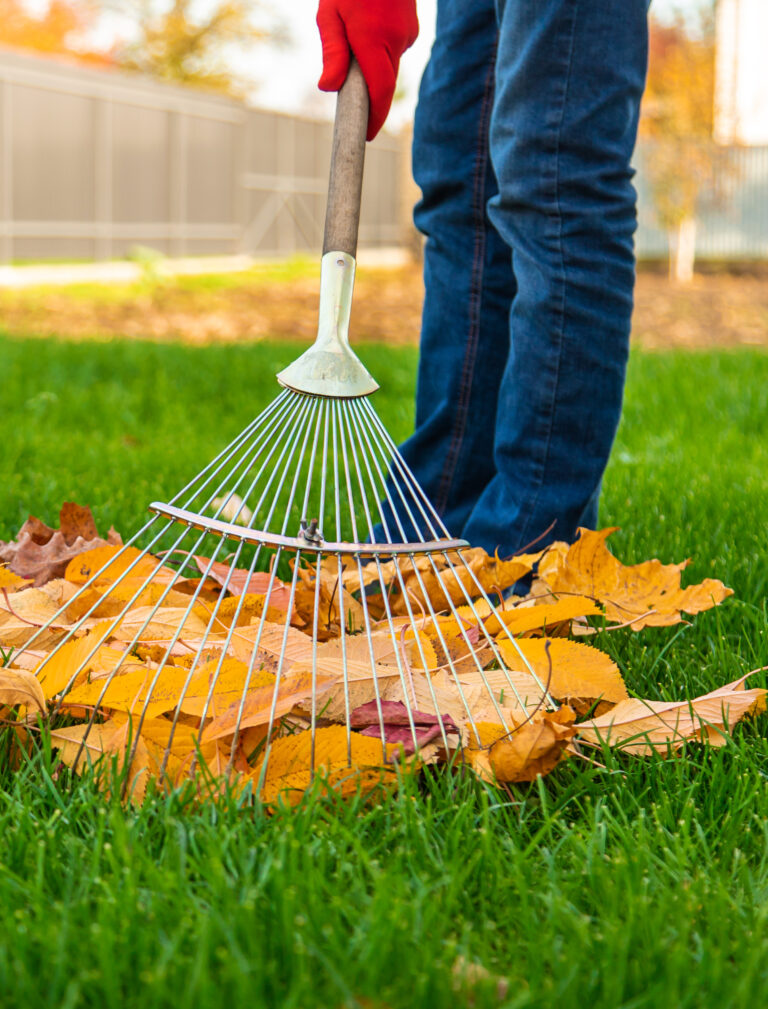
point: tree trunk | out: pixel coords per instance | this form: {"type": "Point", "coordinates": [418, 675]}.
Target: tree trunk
{"type": "Point", "coordinates": [682, 251]}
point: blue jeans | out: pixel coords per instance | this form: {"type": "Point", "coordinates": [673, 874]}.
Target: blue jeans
{"type": "Point", "coordinates": [525, 126]}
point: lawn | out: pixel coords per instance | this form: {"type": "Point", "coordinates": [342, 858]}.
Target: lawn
{"type": "Point", "coordinates": [640, 885]}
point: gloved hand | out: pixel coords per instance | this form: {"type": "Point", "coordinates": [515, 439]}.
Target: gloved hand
{"type": "Point", "coordinates": [378, 32]}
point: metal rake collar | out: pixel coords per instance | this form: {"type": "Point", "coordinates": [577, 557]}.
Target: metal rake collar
{"type": "Point", "coordinates": [330, 367]}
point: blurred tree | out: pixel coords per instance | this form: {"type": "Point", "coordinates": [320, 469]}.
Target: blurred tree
{"type": "Point", "coordinates": [684, 166]}
{"type": "Point", "coordinates": [188, 42]}
{"type": "Point", "coordinates": [61, 27]}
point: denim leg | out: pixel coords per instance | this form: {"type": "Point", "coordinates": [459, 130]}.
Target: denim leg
{"type": "Point", "coordinates": [569, 79]}
{"type": "Point", "coordinates": [467, 271]}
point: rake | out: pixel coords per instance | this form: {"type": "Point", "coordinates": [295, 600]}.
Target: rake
{"type": "Point", "coordinates": [303, 574]}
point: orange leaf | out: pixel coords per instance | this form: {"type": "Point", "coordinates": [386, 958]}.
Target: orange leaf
{"type": "Point", "coordinates": [522, 619]}
{"type": "Point", "coordinates": [111, 562]}
{"type": "Point", "coordinates": [533, 749]}
{"type": "Point", "coordinates": [648, 594]}
{"type": "Point", "coordinates": [11, 582]}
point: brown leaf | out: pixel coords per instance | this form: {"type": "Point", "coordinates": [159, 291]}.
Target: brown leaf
{"type": "Point", "coordinates": [648, 594]}
{"type": "Point", "coordinates": [41, 553]}
{"type": "Point", "coordinates": [580, 675]}
{"type": "Point", "coordinates": [640, 726]}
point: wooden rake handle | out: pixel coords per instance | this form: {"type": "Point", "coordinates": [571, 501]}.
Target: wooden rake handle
{"type": "Point", "coordinates": [342, 215]}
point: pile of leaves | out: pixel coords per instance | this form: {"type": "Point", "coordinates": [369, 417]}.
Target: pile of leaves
{"type": "Point", "coordinates": [172, 704]}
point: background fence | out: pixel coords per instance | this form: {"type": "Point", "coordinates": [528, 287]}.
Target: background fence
{"type": "Point", "coordinates": [94, 162]}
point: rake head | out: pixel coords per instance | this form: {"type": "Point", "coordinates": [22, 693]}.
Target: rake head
{"type": "Point", "coordinates": [298, 608]}
{"type": "Point", "coordinates": [273, 621]}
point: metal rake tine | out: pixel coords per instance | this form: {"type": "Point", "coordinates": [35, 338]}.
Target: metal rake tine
{"type": "Point", "coordinates": [400, 463]}
{"type": "Point", "coordinates": [254, 653]}
{"type": "Point", "coordinates": [385, 597]}
{"type": "Point", "coordinates": [403, 591]}
{"type": "Point", "coordinates": [226, 454]}
{"type": "Point", "coordinates": [435, 523]}
{"type": "Point", "coordinates": [222, 459]}
{"type": "Point", "coordinates": [364, 603]}
{"type": "Point", "coordinates": [175, 637]}
{"type": "Point", "coordinates": [217, 606]}
{"type": "Point", "coordinates": [291, 443]}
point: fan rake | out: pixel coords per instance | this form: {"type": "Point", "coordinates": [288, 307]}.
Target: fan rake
{"type": "Point", "coordinates": [300, 590]}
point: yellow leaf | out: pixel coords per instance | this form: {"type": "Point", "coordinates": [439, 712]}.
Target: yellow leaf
{"type": "Point", "coordinates": [580, 674]}
{"type": "Point", "coordinates": [523, 619]}
{"type": "Point", "coordinates": [11, 582]}
{"type": "Point", "coordinates": [289, 764]}
{"type": "Point", "coordinates": [82, 746]}
{"type": "Point", "coordinates": [647, 594]}
{"type": "Point", "coordinates": [76, 658]}
{"type": "Point", "coordinates": [640, 727]}
{"type": "Point", "coordinates": [115, 561]}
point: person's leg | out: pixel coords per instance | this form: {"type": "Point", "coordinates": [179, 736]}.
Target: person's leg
{"type": "Point", "coordinates": [467, 270]}
{"type": "Point", "coordinates": [569, 78]}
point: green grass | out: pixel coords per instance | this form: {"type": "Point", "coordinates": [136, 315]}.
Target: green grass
{"type": "Point", "coordinates": [640, 886]}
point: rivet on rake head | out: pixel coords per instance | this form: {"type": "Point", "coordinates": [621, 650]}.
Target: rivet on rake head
{"type": "Point", "coordinates": [310, 533]}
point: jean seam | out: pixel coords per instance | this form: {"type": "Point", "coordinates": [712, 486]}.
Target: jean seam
{"type": "Point", "coordinates": [560, 310]}
{"type": "Point", "coordinates": [475, 291]}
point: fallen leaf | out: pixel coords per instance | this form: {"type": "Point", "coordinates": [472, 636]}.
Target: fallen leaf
{"type": "Point", "coordinates": [534, 748]}
{"type": "Point", "coordinates": [240, 581]}
{"type": "Point", "coordinates": [20, 687]}
{"type": "Point", "coordinates": [110, 562]}
{"type": "Point", "coordinates": [346, 761]}
{"type": "Point", "coordinates": [11, 582]}
{"type": "Point", "coordinates": [265, 703]}
{"type": "Point", "coordinates": [41, 553]}
{"type": "Point", "coordinates": [580, 674]}
{"type": "Point", "coordinates": [648, 594]}
{"type": "Point", "coordinates": [640, 726]}
{"type": "Point", "coordinates": [408, 728]}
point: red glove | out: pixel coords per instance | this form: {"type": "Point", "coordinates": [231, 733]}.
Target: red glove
{"type": "Point", "coordinates": [378, 32]}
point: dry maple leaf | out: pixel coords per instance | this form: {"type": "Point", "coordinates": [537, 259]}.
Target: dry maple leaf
{"type": "Point", "coordinates": [41, 553]}
{"type": "Point", "coordinates": [640, 727]}
{"type": "Point", "coordinates": [647, 594]}
{"type": "Point", "coordinates": [573, 672]}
